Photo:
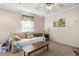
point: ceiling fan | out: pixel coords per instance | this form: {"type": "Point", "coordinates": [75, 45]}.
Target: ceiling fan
{"type": "Point", "coordinates": [49, 6]}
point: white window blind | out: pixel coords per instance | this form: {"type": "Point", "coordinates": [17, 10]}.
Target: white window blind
{"type": "Point", "coordinates": [27, 25]}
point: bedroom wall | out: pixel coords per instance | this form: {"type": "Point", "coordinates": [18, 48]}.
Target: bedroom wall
{"type": "Point", "coordinates": [39, 24]}
{"type": "Point", "coordinates": [11, 22]}
{"type": "Point", "coordinates": [70, 33]}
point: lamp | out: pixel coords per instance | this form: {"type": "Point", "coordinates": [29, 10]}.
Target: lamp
{"type": "Point", "coordinates": [46, 30]}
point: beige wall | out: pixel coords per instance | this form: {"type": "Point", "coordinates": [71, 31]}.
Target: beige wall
{"type": "Point", "coordinates": [11, 22]}
{"type": "Point", "coordinates": [39, 24]}
{"type": "Point", "coordinates": [68, 34]}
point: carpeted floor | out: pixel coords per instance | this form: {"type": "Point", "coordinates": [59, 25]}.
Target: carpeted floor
{"type": "Point", "coordinates": [55, 49]}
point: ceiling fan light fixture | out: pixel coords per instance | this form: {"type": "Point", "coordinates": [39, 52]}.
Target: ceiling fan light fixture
{"type": "Point", "coordinates": [49, 6]}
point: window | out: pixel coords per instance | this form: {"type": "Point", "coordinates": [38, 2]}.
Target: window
{"type": "Point", "coordinates": [27, 25]}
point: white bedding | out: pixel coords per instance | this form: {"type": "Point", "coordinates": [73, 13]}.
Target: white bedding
{"type": "Point", "coordinates": [25, 42]}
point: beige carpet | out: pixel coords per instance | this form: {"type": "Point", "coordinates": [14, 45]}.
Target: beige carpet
{"type": "Point", "coordinates": [55, 49]}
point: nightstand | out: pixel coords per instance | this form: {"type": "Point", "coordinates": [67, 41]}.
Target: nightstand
{"type": "Point", "coordinates": [47, 37]}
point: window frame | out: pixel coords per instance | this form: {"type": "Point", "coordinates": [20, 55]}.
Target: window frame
{"type": "Point", "coordinates": [30, 26]}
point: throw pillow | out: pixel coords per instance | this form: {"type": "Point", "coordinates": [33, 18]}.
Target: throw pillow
{"type": "Point", "coordinates": [17, 38]}
{"type": "Point", "coordinates": [29, 35]}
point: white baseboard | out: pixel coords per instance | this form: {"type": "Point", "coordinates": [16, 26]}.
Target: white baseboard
{"type": "Point", "coordinates": [65, 44]}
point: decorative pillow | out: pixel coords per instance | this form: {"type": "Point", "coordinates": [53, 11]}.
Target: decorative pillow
{"type": "Point", "coordinates": [29, 35]}
{"type": "Point", "coordinates": [11, 40]}
{"type": "Point", "coordinates": [17, 38]}
{"type": "Point", "coordinates": [20, 34]}
{"type": "Point", "coordinates": [37, 34]}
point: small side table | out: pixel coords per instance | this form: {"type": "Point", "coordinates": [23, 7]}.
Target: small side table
{"type": "Point", "coordinates": [47, 37]}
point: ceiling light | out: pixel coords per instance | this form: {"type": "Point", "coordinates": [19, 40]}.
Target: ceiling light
{"type": "Point", "coordinates": [49, 6]}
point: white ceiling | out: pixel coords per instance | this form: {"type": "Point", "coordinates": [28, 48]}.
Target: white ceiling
{"type": "Point", "coordinates": [36, 8]}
